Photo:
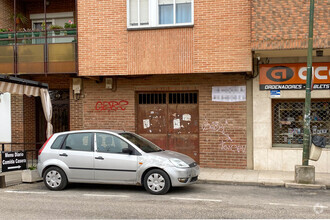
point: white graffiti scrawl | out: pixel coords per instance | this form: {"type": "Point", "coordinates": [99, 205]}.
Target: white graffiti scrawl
{"type": "Point", "coordinates": [221, 127]}
{"type": "Point", "coordinates": [217, 126]}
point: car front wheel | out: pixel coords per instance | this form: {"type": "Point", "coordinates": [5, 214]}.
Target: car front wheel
{"type": "Point", "coordinates": [157, 182]}
{"type": "Point", "coordinates": [55, 178]}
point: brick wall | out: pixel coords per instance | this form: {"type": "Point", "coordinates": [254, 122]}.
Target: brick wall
{"type": "Point", "coordinates": [29, 115]}
{"type": "Point", "coordinates": [222, 126]}
{"type": "Point", "coordinates": [6, 10]}
{"type": "Point", "coordinates": [283, 24]}
{"type": "Point", "coordinates": [223, 146]}
{"type": "Point", "coordinates": [218, 42]}
{"type": "Point", "coordinates": [17, 121]}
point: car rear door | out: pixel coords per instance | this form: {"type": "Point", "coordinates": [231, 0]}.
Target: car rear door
{"type": "Point", "coordinates": [111, 164]}
{"type": "Point", "coordinates": [77, 153]}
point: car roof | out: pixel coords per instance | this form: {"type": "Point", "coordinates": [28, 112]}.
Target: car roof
{"type": "Point", "coordinates": [94, 130]}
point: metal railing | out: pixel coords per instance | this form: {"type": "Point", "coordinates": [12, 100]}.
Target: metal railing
{"type": "Point", "coordinates": [30, 52]}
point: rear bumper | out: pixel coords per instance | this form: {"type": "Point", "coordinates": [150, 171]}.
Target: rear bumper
{"type": "Point", "coordinates": [183, 176]}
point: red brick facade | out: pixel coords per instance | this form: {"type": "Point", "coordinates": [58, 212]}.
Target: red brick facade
{"type": "Point", "coordinates": [218, 42]}
{"type": "Point", "coordinates": [222, 147]}
{"type": "Point", "coordinates": [283, 24]}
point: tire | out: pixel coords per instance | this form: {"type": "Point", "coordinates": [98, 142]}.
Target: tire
{"type": "Point", "coordinates": [157, 182]}
{"type": "Point", "coordinates": [55, 178]}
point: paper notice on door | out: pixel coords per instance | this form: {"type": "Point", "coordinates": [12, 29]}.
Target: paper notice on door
{"type": "Point", "coordinates": [146, 123]}
{"type": "Point", "coordinates": [186, 117]}
{"type": "Point", "coordinates": [176, 124]}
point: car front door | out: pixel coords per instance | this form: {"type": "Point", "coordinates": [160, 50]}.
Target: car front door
{"type": "Point", "coordinates": [111, 164]}
{"type": "Point", "coordinates": [77, 153]}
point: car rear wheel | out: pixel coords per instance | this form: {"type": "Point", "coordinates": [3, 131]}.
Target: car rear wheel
{"type": "Point", "coordinates": [55, 178]}
{"type": "Point", "coordinates": [157, 182]}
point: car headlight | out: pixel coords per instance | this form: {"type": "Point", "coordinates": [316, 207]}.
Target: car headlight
{"type": "Point", "coordinates": [179, 163]}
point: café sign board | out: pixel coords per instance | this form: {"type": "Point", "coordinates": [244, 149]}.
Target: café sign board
{"type": "Point", "coordinates": [293, 76]}
{"type": "Point", "coordinates": [13, 160]}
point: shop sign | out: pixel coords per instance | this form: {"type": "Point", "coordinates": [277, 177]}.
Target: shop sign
{"type": "Point", "coordinates": [13, 160]}
{"type": "Point", "coordinates": [293, 76]}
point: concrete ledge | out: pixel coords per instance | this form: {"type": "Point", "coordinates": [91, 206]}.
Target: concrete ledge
{"type": "Point", "coordinates": [304, 186]}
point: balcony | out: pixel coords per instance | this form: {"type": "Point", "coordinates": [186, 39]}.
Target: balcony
{"type": "Point", "coordinates": [32, 54]}
{"type": "Point", "coordinates": [38, 37]}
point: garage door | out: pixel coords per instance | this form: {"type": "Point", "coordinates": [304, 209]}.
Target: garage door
{"type": "Point", "coordinates": [170, 120]}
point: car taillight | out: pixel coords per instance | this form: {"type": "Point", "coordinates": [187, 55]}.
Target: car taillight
{"type": "Point", "coordinates": [43, 146]}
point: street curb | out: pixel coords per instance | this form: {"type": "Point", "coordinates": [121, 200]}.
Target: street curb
{"type": "Point", "coordinates": [266, 184]}
{"type": "Point", "coordinates": [272, 184]}
{"type": "Point", "coordinates": [225, 182]}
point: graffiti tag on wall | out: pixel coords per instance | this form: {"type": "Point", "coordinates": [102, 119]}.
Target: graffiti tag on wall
{"type": "Point", "coordinates": [111, 105]}
{"type": "Point", "coordinates": [217, 126]}
{"type": "Point", "coordinates": [221, 127]}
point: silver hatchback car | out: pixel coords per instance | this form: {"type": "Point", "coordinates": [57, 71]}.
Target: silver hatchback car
{"type": "Point", "coordinates": [116, 157]}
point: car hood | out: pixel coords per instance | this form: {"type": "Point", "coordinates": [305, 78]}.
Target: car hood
{"type": "Point", "coordinates": [172, 154]}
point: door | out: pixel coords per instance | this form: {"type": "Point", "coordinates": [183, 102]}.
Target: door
{"type": "Point", "coordinates": [60, 117]}
{"type": "Point", "coordinates": [183, 129]}
{"type": "Point", "coordinates": [170, 120]}
{"type": "Point", "coordinates": [78, 154]}
{"type": "Point", "coordinates": [111, 165]}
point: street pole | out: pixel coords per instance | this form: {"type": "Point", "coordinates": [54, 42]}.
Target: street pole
{"type": "Point", "coordinates": [307, 117]}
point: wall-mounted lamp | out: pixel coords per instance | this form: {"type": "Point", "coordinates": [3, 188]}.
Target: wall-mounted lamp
{"type": "Point", "coordinates": [76, 87]}
{"type": "Point", "coordinates": [47, 2]}
{"type": "Point", "coordinates": [108, 83]}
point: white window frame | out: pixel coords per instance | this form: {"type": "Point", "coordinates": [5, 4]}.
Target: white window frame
{"type": "Point", "coordinates": [154, 16]}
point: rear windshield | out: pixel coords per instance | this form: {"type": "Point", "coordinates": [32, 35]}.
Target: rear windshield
{"type": "Point", "coordinates": [141, 142]}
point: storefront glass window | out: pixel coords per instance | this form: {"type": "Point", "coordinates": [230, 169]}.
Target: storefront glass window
{"type": "Point", "coordinates": [288, 123]}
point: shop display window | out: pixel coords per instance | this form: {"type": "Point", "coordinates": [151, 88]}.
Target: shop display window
{"type": "Point", "coordinates": [288, 123]}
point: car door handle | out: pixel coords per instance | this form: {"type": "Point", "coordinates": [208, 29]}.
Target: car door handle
{"type": "Point", "coordinates": [99, 158]}
{"type": "Point", "coordinates": [63, 155]}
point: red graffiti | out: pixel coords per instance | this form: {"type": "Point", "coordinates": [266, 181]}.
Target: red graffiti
{"type": "Point", "coordinates": [111, 105]}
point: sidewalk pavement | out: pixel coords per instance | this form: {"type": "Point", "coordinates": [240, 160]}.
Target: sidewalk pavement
{"type": "Point", "coordinates": [260, 178]}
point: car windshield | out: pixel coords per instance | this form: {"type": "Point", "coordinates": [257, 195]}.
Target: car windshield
{"type": "Point", "coordinates": [141, 142]}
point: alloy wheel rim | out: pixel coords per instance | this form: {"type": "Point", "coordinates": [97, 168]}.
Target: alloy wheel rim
{"type": "Point", "coordinates": [156, 182]}
{"type": "Point", "coordinates": [53, 178]}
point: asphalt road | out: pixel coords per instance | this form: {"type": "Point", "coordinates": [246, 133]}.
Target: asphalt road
{"type": "Point", "coordinates": [35, 201]}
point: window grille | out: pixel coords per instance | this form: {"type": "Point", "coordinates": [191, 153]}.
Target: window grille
{"type": "Point", "coordinates": [152, 98]}
{"type": "Point", "coordinates": [183, 98]}
{"type": "Point", "coordinates": [288, 123]}
{"type": "Point", "coordinates": [173, 98]}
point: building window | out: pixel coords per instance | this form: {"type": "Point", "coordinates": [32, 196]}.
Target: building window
{"type": "Point", "coordinates": [159, 13]}
{"type": "Point", "coordinates": [288, 123]}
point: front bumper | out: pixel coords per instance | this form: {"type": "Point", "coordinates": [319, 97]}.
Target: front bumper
{"type": "Point", "coordinates": [190, 175]}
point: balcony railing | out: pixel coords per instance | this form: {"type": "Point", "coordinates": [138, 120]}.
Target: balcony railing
{"type": "Point", "coordinates": [28, 52]}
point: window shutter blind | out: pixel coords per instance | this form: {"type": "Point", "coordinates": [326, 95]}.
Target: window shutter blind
{"type": "Point", "coordinates": [133, 12]}
{"type": "Point", "coordinates": [144, 12]}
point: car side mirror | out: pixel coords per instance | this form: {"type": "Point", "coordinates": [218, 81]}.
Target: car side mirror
{"type": "Point", "coordinates": [127, 151]}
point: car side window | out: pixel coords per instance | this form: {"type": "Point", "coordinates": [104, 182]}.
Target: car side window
{"type": "Point", "coordinates": [79, 142]}
{"type": "Point", "coordinates": [58, 142]}
{"type": "Point", "coordinates": [108, 143]}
